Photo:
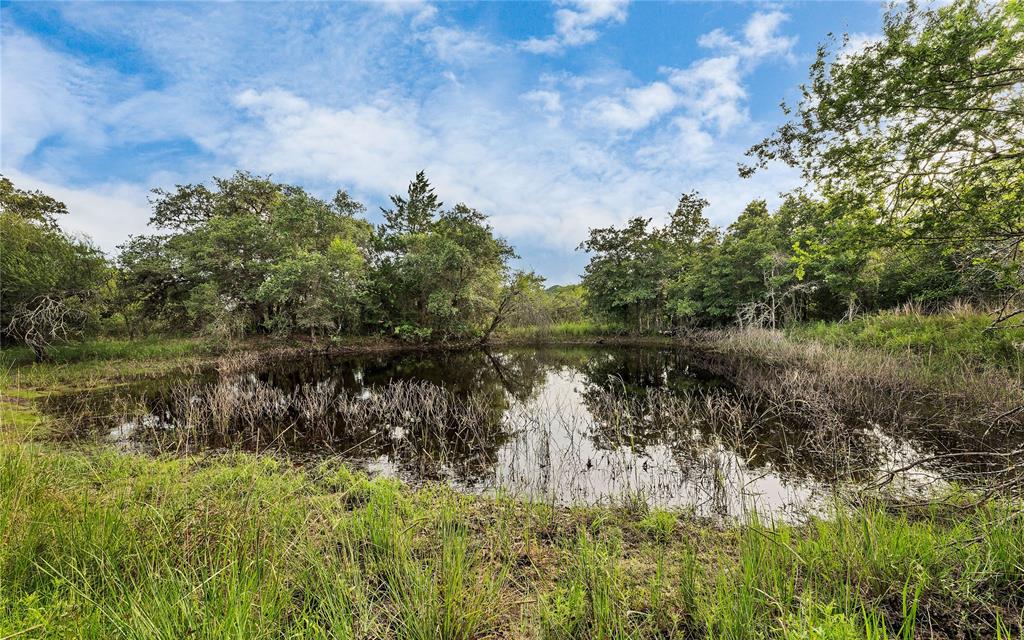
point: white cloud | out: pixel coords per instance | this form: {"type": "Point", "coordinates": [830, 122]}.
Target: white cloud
{"type": "Point", "coordinates": [710, 89]}
{"type": "Point", "coordinates": [549, 101]}
{"type": "Point", "coordinates": [576, 24]}
{"type": "Point", "coordinates": [44, 94]}
{"type": "Point", "coordinates": [549, 191]}
{"type": "Point", "coordinates": [420, 10]}
{"type": "Point", "coordinates": [457, 45]}
{"type": "Point", "coordinates": [856, 43]}
{"type": "Point", "coordinates": [367, 146]}
{"type": "Point", "coordinates": [550, 44]}
{"type": "Point", "coordinates": [105, 213]}
{"type": "Point", "coordinates": [713, 87]}
{"type": "Point", "coordinates": [760, 38]}
{"type": "Point", "coordinates": [636, 109]}
{"type": "Point", "coordinates": [686, 145]}
{"type": "Point", "coordinates": [542, 186]}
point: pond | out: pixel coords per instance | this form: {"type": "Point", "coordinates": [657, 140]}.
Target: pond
{"type": "Point", "coordinates": [565, 425]}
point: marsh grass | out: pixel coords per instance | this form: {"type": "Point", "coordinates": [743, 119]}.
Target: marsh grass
{"type": "Point", "coordinates": [947, 340]}
{"type": "Point", "coordinates": [97, 544]}
{"type": "Point", "coordinates": [112, 349]}
{"type": "Point", "coordinates": [242, 411]}
{"type": "Point", "coordinates": [237, 549]}
{"type": "Point", "coordinates": [828, 384]}
{"type": "Point", "coordinates": [559, 332]}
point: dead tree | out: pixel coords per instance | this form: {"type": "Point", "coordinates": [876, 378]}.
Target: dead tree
{"type": "Point", "coordinates": [42, 322]}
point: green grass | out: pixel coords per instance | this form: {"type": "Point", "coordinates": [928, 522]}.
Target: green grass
{"type": "Point", "coordinates": [112, 349]}
{"type": "Point", "coordinates": [949, 338]}
{"type": "Point", "coordinates": [561, 331]}
{"type": "Point", "coordinates": [100, 362]}
{"type": "Point", "coordinates": [99, 544]}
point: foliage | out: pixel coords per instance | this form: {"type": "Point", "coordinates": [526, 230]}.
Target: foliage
{"type": "Point", "coordinates": [51, 284]}
{"type": "Point", "coordinates": [543, 307]}
{"type": "Point", "coordinates": [922, 131]}
{"type": "Point", "coordinates": [640, 276]}
{"type": "Point", "coordinates": [949, 336]}
{"type": "Point", "coordinates": [913, 152]}
{"type": "Point", "coordinates": [768, 268]}
{"type": "Point", "coordinates": [96, 543]}
{"type": "Point", "coordinates": [322, 290]}
{"type": "Point", "coordinates": [438, 274]}
{"type": "Point", "coordinates": [250, 254]}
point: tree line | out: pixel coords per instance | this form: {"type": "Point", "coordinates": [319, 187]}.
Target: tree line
{"type": "Point", "coordinates": [912, 153]}
{"type": "Point", "coordinates": [250, 255]}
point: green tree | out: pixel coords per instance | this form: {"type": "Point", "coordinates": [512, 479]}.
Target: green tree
{"type": "Point", "coordinates": [686, 244]}
{"type": "Point", "coordinates": [413, 213]}
{"type": "Point", "coordinates": [751, 273]}
{"type": "Point", "coordinates": [925, 127]}
{"type": "Point", "coordinates": [646, 277]}
{"type": "Point", "coordinates": [440, 274]}
{"type": "Point", "coordinates": [152, 289]}
{"type": "Point", "coordinates": [317, 291]}
{"type": "Point", "coordinates": [521, 290]}
{"type": "Point", "coordinates": [49, 281]}
{"type": "Point", "coordinates": [623, 278]}
{"type": "Point", "coordinates": [251, 254]}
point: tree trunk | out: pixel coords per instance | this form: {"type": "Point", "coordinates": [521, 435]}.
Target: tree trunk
{"type": "Point", "coordinates": [39, 353]}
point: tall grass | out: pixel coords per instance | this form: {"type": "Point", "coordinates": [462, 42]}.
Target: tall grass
{"type": "Point", "coordinates": [112, 349]}
{"type": "Point", "coordinates": [871, 382]}
{"type": "Point", "coordinates": [239, 549]}
{"type": "Point", "coordinates": [946, 340]}
{"type": "Point", "coordinates": [562, 331]}
{"type": "Point", "coordinates": [95, 544]}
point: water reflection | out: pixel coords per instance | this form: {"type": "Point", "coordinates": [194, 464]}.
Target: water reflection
{"type": "Point", "coordinates": [566, 425]}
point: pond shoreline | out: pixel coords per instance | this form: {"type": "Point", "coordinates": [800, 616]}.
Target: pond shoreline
{"type": "Point", "coordinates": [236, 529]}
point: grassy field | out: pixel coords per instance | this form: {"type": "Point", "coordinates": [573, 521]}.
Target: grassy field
{"type": "Point", "coordinates": [96, 543]}
{"type": "Point", "coordinates": [947, 339]}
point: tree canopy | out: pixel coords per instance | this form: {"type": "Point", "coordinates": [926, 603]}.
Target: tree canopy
{"type": "Point", "coordinates": [919, 135]}
{"type": "Point", "coordinates": [250, 255]}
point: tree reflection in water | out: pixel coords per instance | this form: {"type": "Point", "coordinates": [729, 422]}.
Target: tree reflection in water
{"type": "Point", "coordinates": [567, 425]}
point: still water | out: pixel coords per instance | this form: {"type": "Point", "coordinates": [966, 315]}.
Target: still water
{"type": "Point", "coordinates": [560, 425]}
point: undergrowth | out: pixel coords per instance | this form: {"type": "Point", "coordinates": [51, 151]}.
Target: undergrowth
{"type": "Point", "coordinates": [947, 339]}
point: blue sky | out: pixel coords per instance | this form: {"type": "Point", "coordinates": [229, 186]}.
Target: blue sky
{"type": "Point", "coordinates": [551, 118]}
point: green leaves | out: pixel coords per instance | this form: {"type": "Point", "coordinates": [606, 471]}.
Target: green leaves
{"type": "Point", "coordinates": [643, 277]}
{"type": "Point", "coordinates": [264, 254]}
{"type": "Point", "coordinates": [50, 283]}
{"type": "Point", "coordinates": [439, 271]}
{"type": "Point", "coordinates": [925, 127]}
